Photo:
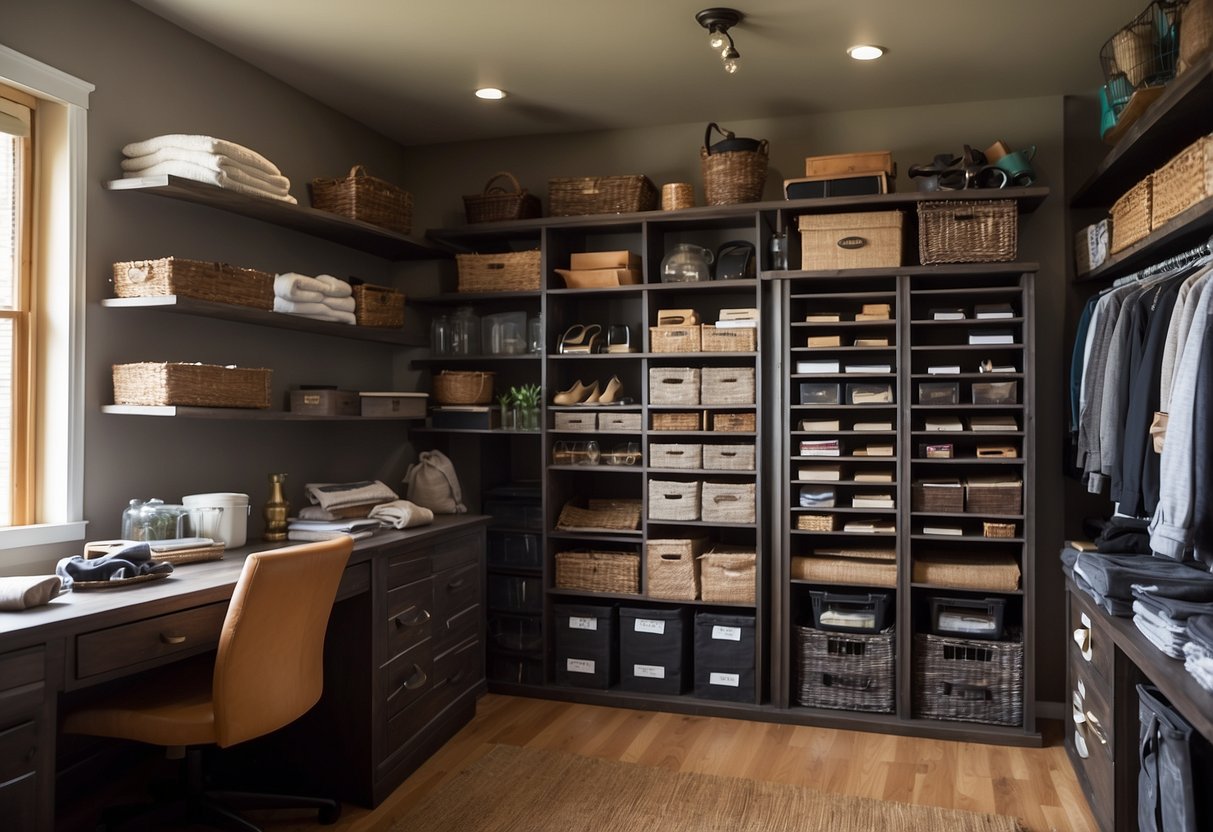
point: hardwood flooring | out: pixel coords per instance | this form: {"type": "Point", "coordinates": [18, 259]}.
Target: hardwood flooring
{"type": "Point", "coordinates": [1035, 784]}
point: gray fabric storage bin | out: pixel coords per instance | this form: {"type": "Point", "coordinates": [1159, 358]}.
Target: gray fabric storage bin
{"type": "Point", "coordinates": [587, 642]}
{"type": "Point", "coordinates": [724, 657]}
{"type": "Point", "coordinates": [655, 649]}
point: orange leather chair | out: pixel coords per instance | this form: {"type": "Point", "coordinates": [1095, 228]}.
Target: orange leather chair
{"type": "Point", "coordinates": [267, 673]}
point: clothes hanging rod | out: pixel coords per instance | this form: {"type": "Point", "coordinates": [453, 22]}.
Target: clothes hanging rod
{"type": "Point", "coordinates": [1202, 250]}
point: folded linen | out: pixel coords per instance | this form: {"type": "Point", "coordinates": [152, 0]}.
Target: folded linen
{"type": "Point", "coordinates": [20, 592]}
{"type": "Point", "coordinates": [1166, 606]}
{"type": "Point", "coordinates": [187, 170]}
{"type": "Point", "coordinates": [246, 173]}
{"type": "Point", "coordinates": [344, 513]}
{"type": "Point", "coordinates": [320, 311]}
{"type": "Point", "coordinates": [335, 287]}
{"type": "Point", "coordinates": [1114, 575]}
{"type": "Point", "coordinates": [299, 288]}
{"type": "Point", "coordinates": [401, 514]}
{"type": "Point", "coordinates": [1200, 630]}
{"type": "Point", "coordinates": [1114, 606]}
{"type": "Point", "coordinates": [332, 496]}
{"type": "Point", "coordinates": [205, 144]}
{"type": "Point", "coordinates": [1167, 642]}
{"type": "Point", "coordinates": [128, 562]}
{"type": "Point", "coordinates": [306, 536]}
{"type": "Point", "coordinates": [1198, 661]}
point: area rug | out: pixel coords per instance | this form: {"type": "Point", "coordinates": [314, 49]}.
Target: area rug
{"type": "Point", "coordinates": [526, 790]}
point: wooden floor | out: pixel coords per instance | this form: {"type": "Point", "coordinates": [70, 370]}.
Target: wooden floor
{"type": "Point", "coordinates": [1035, 784]}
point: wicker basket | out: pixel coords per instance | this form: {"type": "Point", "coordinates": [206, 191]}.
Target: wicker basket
{"type": "Point", "coordinates": [672, 568]}
{"type": "Point", "coordinates": [674, 339]}
{"type": "Point", "coordinates": [596, 571]}
{"type": "Point", "coordinates": [679, 455]}
{"type": "Point", "coordinates": [622, 422]}
{"type": "Point", "coordinates": [496, 204]}
{"type": "Point", "coordinates": [858, 571]}
{"type": "Point", "coordinates": [577, 196]}
{"type": "Point", "coordinates": [1182, 182]}
{"type": "Point", "coordinates": [989, 529]}
{"type": "Point", "coordinates": [938, 497]}
{"type": "Point", "coordinates": [727, 385]}
{"type": "Point", "coordinates": [977, 231]}
{"type": "Point", "coordinates": [511, 271]}
{"type": "Point", "coordinates": [728, 457]}
{"type": "Point", "coordinates": [816, 522]}
{"type": "Point", "coordinates": [191, 385]}
{"type": "Point", "coordinates": [216, 282]}
{"type": "Point", "coordinates": [993, 496]}
{"type": "Point", "coordinates": [729, 502]}
{"type": "Point", "coordinates": [676, 421]}
{"type": "Point", "coordinates": [968, 680]}
{"type": "Point", "coordinates": [673, 385]}
{"type": "Point", "coordinates": [728, 339]}
{"type": "Point", "coordinates": [734, 176]}
{"type": "Point", "coordinates": [847, 671]}
{"type": "Point", "coordinates": [1131, 215]}
{"type": "Point", "coordinates": [600, 516]}
{"type": "Point", "coordinates": [361, 196]}
{"type": "Point", "coordinates": [463, 387]}
{"type": "Point", "coordinates": [728, 576]}
{"type": "Point", "coordinates": [734, 422]}
{"type": "Point", "coordinates": [378, 306]}
{"type": "Point", "coordinates": [985, 572]}
{"type": "Point", "coordinates": [674, 500]}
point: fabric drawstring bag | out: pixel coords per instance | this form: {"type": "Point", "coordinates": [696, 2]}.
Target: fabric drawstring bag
{"type": "Point", "coordinates": [433, 484]}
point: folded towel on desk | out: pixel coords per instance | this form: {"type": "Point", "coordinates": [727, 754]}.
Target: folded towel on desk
{"type": "Point", "coordinates": [205, 144]}
{"type": "Point", "coordinates": [320, 311]}
{"type": "Point", "coordinates": [188, 170]}
{"type": "Point", "coordinates": [335, 287]}
{"type": "Point", "coordinates": [307, 536]}
{"type": "Point", "coordinates": [129, 562]}
{"type": "Point", "coordinates": [256, 177]}
{"type": "Point", "coordinates": [299, 288]}
{"type": "Point", "coordinates": [20, 592]}
{"type": "Point", "coordinates": [401, 514]}
{"type": "Point", "coordinates": [344, 513]}
{"type": "Point", "coordinates": [332, 496]}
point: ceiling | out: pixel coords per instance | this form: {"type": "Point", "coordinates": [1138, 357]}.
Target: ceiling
{"type": "Point", "coordinates": [407, 68]}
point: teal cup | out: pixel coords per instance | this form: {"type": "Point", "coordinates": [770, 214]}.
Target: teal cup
{"type": "Point", "coordinates": [1018, 166]}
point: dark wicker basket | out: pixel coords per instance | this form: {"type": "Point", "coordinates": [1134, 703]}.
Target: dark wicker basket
{"type": "Point", "coordinates": [733, 176]}
{"type": "Point", "coordinates": [847, 671]}
{"type": "Point", "coordinates": [598, 571]}
{"type": "Point", "coordinates": [378, 306]}
{"type": "Point", "coordinates": [977, 231]}
{"type": "Point", "coordinates": [969, 680]}
{"type": "Point", "coordinates": [191, 385]}
{"type": "Point", "coordinates": [574, 197]}
{"type": "Point", "coordinates": [361, 196]}
{"type": "Point", "coordinates": [497, 204]}
{"type": "Point", "coordinates": [217, 282]}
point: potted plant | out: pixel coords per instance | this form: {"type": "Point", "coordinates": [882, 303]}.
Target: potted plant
{"type": "Point", "coordinates": [526, 403]}
{"type": "Point", "coordinates": [508, 415]}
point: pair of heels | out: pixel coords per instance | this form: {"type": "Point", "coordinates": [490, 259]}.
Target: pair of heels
{"type": "Point", "coordinates": [580, 338]}
{"type": "Point", "coordinates": [591, 395]}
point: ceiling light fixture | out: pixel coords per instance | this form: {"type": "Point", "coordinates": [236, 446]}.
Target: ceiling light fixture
{"type": "Point", "coordinates": [718, 21]}
{"type": "Point", "coordinates": [490, 93]}
{"type": "Point", "coordinates": [865, 52]}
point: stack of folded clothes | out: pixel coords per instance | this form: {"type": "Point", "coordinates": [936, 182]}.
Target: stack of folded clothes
{"type": "Point", "coordinates": [1198, 652]}
{"type": "Point", "coordinates": [1109, 578]}
{"type": "Point", "coordinates": [323, 297]}
{"type": "Point", "coordinates": [1162, 614]}
{"type": "Point", "coordinates": [343, 501]}
{"type": "Point", "coordinates": [307, 530]}
{"type": "Point", "coordinates": [206, 159]}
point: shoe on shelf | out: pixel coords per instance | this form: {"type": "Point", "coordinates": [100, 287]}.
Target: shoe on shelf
{"type": "Point", "coordinates": [611, 394]}
{"type": "Point", "coordinates": [574, 395]}
{"type": "Point", "coordinates": [580, 338]}
{"type": "Point", "coordinates": [592, 395]}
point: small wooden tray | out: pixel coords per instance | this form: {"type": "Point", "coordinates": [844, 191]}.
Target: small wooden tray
{"type": "Point", "coordinates": [119, 584]}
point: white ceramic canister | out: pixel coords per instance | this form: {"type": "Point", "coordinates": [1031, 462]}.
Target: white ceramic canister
{"type": "Point", "coordinates": [229, 523]}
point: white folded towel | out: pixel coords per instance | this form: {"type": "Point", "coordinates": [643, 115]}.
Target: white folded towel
{"type": "Point", "coordinates": [253, 176]}
{"type": "Point", "coordinates": [339, 304]}
{"type": "Point", "coordinates": [299, 287]}
{"type": "Point", "coordinates": [21, 592]}
{"type": "Point", "coordinates": [206, 144]}
{"type": "Point", "coordinates": [334, 287]}
{"type": "Point", "coordinates": [188, 170]}
{"type": "Point", "coordinates": [401, 514]}
{"type": "Point", "coordinates": [320, 311]}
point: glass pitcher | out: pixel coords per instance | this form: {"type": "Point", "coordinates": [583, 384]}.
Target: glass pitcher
{"type": "Point", "coordinates": [687, 263]}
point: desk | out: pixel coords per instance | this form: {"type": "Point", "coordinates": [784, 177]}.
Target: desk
{"type": "Point", "coordinates": [404, 660]}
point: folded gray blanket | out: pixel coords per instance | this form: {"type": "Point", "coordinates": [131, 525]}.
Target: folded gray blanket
{"type": "Point", "coordinates": [330, 496]}
{"type": "Point", "coordinates": [21, 592]}
{"type": "Point", "coordinates": [1114, 575]}
{"type": "Point", "coordinates": [129, 562]}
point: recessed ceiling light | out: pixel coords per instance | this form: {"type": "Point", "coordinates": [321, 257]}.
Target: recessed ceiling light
{"type": "Point", "coordinates": [865, 52]}
{"type": "Point", "coordinates": [490, 93]}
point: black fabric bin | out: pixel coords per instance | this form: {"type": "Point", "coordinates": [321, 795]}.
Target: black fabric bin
{"type": "Point", "coordinates": [724, 657]}
{"type": "Point", "coordinates": [587, 642]}
{"type": "Point", "coordinates": [655, 650]}
{"type": "Point", "coordinates": [1176, 768]}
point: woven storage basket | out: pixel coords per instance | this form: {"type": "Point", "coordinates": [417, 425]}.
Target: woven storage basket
{"type": "Point", "coordinates": [361, 196]}
{"type": "Point", "coordinates": [577, 196]}
{"type": "Point", "coordinates": [968, 680]}
{"type": "Point", "coordinates": [378, 306]}
{"type": "Point", "coordinates": [989, 529]}
{"type": "Point", "coordinates": [672, 568]}
{"type": "Point", "coordinates": [674, 500]}
{"type": "Point", "coordinates": [728, 339]}
{"type": "Point", "coordinates": [674, 339]}
{"type": "Point", "coordinates": [847, 671]}
{"type": "Point", "coordinates": [945, 497]}
{"type": "Point", "coordinates": [987, 571]}
{"type": "Point", "coordinates": [816, 522]}
{"type": "Point", "coordinates": [1182, 182]}
{"type": "Point", "coordinates": [1131, 215]}
{"type": "Point", "coordinates": [727, 385]}
{"type": "Point", "coordinates": [875, 571]}
{"type": "Point", "coordinates": [676, 421]}
{"type": "Point", "coordinates": [601, 515]}
{"type": "Point", "coordinates": [625, 422]}
{"type": "Point", "coordinates": [496, 204]}
{"type": "Point", "coordinates": [734, 176]}
{"type": "Point", "coordinates": [463, 387]}
{"type": "Point", "coordinates": [993, 496]}
{"type": "Point", "coordinates": [734, 422]}
{"type": "Point", "coordinates": [578, 422]}
{"type": "Point", "coordinates": [191, 385]}
{"type": "Point", "coordinates": [217, 282]}
{"type": "Point", "coordinates": [596, 571]}
{"type": "Point", "coordinates": [729, 502]}
{"type": "Point", "coordinates": [673, 385]}
{"type": "Point", "coordinates": [511, 271]}
{"type": "Point", "coordinates": [728, 457]}
{"type": "Point", "coordinates": [684, 455]}
{"type": "Point", "coordinates": [728, 576]}
{"type": "Point", "coordinates": [977, 231]}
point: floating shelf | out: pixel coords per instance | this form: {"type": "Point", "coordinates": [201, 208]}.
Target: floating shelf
{"type": "Point", "coordinates": [236, 414]}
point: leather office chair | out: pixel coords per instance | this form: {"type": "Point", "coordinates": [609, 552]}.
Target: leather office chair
{"type": "Point", "coordinates": [267, 673]}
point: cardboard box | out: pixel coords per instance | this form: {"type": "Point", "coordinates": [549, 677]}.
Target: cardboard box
{"type": "Point", "coordinates": [843, 164]}
{"type": "Point", "coordinates": [327, 402]}
{"type": "Point", "coordinates": [584, 260]}
{"type": "Point", "coordinates": [597, 278]}
{"type": "Point", "coordinates": [399, 405]}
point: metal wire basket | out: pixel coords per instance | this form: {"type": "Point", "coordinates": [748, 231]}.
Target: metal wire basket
{"type": "Point", "coordinates": [1142, 53]}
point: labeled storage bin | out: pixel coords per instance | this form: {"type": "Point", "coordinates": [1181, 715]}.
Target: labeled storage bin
{"type": "Point", "coordinates": [515, 593]}
{"type": "Point", "coordinates": [967, 617]}
{"type": "Point", "coordinates": [515, 550]}
{"type": "Point", "coordinates": [728, 575]}
{"type": "Point", "coordinates": [727, 385]}
{"type": "Point", "coordinates": [728, 339]}
{"type": "Point", "coordinates": [939, 392]}
{"type": "Point", "coordinates": [655, 650]}
{"type": "Point", "coordinates": [816, 393]}
{"type": "Point", "coordinates": [734, 422]}
{"type": "Point", "coordinates": [992, 495]}
{"type": "Point", "coordinates": [378, 306]}
{"type": "Point", "coordinates": [724, 657]}
{"type": "Point", "coordinates": [510, 271]}
{"type": "Point", "coordinates": [674, 500]}
{"type": "Point", "coordinates": [672, 568]}
{"type": "Point", "coordinates": [327, 403]}
{"type": "Point", "coordinates": [851, 613]}
{"type": "Point", "coordinates": [969, 231]}
{"type": "Point", "coordinates": [995, 392]}
{"type": "Point", "coordinates": [577, 422]}
{"type": "Point", "coordinates": [203, 280]}
{"type": "Point", "coordinates": [674, 339]}
{"type": "Point", "coordinates": [937, 496]}
{"type": "Point", "coordinates": [728, 457]}
{"type": "Point", "coordinates": [677, 421]}
{"type": "Point", "coordinates": [865, 240]}
{"type": "Point", "coordinates": [577, 196]}
{"type": "Point", "coordinates": [587, 642]}
{"type": "Point", "coordinates": [598, 571]}
{"type": "Point", "coordinates": [968, 680]}
{"type": "Point", "coordinates": [851, 672]}
{"type": "Point", "coordinates": [674, 385]}
{"type": "Point", "coordinates": [662, 455]}
{"type": "Point", "coordinates": [623, 422]}
{"type": "Point", "coordinates": [517, 633]}
{"type": "Point", "coordinates": [191, 385]}
{"type": "Point", "coordinates": [729, 502]}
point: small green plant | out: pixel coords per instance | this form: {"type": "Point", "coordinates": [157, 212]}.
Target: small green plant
{"type": "Point", "coordinates": [506, 399]}
{"type": "Point", "coordinates": [526, 396]}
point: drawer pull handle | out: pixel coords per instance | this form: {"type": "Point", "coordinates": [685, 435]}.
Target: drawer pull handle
{"type": "Point", "coordinates": [31, 754]}
{"type": "Point", "coordinates": [455, 584]}
{"type": "Point", "coordinates": [1096, 728]}
{"type": "Point", "coordinates": [172, 638]}
{"type": "Point", "coordinates": [416, 619]}
{"type": "Point", "coordinates": [454, 680]}
{"type": "Point", "coordinates": [1082, 637]}
{"type": "Point", "coordinates": [417, 680]}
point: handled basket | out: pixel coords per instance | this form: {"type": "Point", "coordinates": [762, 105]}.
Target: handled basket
{"type": "Point", "coordinates": [361, 196]}
{"type": "Point", "coordinates": [732, 176]}
{"type": "Point", "coordinates": [463, 387]}
{"type": "Point", "coordinates": [496, 203]}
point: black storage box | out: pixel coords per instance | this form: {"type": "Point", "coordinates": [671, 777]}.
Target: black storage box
{"type": "Point", "coordinates": [724, 657]}
{"type": "Point", "coordinates": [515, 668]}
{"type": "Point", "coordinates": [515, 550]}
{"type": "Point", "coordinates": [655, 650]}
{"type": "Point", "coordinates": [516, 633]}
{"type": "Point", "coordinates": [868, 184]}
{"type": "Point", "coordinates": [587, 642]}
{"type": "Point", "coordinates": [842, 613]}
{"type": "Point", "coordinates": [967, 617]}
{"type": "Point", "coordinates": [515, 593]}
{"type": "Point", "coordinates": [468, 417]}
{"type": "Point", "coordinates": [518, 507]}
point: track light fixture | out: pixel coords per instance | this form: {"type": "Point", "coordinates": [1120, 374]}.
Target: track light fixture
{"type": "Point", "coordinates": [718, 21]}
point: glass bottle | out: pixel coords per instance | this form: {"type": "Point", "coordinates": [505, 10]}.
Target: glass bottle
{"type": "Point", "coordinates": [276, 510]}
{"type": "Point", "coordinates": [440, 335]}
{"type": "Point", "coordinates": [779, 251]}
{"type": "Point", "coordinates": [534, 335]}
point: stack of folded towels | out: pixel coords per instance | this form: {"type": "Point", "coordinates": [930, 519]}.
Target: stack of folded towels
{"type": "Point", "coordinates": [206, 159]}
{"type": "Point", "coordinates": [323, 297]}
{"type": "Point", "coordinates": [356, 509]}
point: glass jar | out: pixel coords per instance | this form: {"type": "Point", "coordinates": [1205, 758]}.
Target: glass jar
{"type": "Point", "coordinates": [440, 335]}
{"type": "Point", "coordinates": [687, 263]}
{"type": "Point", "coordinates": [465, 332]}
{"type": "Point", "coordinates": [534, 335]}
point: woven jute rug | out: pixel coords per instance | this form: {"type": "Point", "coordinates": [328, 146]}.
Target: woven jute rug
{"type": "Point", "coordinates": [525, 790]}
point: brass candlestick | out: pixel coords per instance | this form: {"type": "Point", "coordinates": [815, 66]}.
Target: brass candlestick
{"type": "Point", "coordinates": [276, 510]}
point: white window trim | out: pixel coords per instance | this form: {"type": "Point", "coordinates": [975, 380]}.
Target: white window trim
{"type": "Point", "coordinates": [61, 484]}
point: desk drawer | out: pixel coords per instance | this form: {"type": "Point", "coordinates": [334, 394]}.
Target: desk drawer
{"type": "Point", "coordinates": [409, 610]}
{"type": "Point", "coordinates": [22, 684]}
{"type": "Point", "coordinates": [19, 802]}
{"type": "Point", "coordinates": [149, 641]}
{"type": "Point", "coordinates": [451, 629]}
{"type": "Point", "coordinates": [18, 750]}
{"type": "Point", "coordinates": [467, 549]}
{"type": "Point", "coordinates": [408, 566]}
{"type": "Point", "coordinates": [455, 590]}
{"type": "Point", "coordinates": [1088, 638]}
{"type": "Point", "coordinates": [408, 678]}
{"type": "Point", "coordinates": [1092, 699]}
{"type": "Point", "coordinates": [458, 671]}
{"type": "Point", "coordinates": [1096, 774]}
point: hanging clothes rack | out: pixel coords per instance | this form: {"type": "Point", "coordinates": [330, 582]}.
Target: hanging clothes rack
{"type": "Point", "coordinates": [1203, 250]}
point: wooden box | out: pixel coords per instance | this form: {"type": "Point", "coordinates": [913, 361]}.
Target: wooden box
{"type": "Point", "coordinates": [397, 405]}
{"type": "Point", "coordinates": [844, 164]}
{"type": "Point", "coordinates": [327, 403]}
{"type": "Point", "coordinates": [851, 241]}
{"type": "Point", "coordinates": [604, 260]}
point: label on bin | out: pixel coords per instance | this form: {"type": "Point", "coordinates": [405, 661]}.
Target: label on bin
{"type": "Point", "coordinates": [726, 633]}
{"type": "Point", "coordinates": [648, 625]}
{"type": "Point", "coordinates": [579, 665]}
{"type": "Point", "coordinates": [576, 623]}
{"type": "Point", "coordinates": [732, 680]}
{"type": "Point", "coordinates": [648, 671]}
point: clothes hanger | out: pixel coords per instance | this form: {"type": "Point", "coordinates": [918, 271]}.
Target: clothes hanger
{"type": "Point", "coordinates": [1172, 265]}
